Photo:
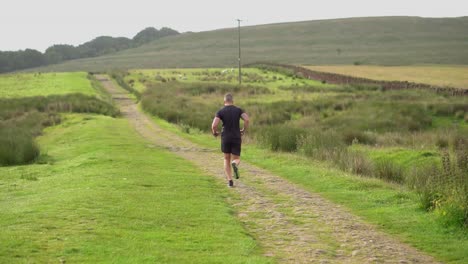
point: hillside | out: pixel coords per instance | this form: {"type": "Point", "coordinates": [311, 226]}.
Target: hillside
{"type": "Point", "coordinates": [375, 40]}
{"type": "Point", "coordinates": [103, 45]}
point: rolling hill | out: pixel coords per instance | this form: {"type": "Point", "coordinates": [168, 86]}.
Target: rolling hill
{"type": "Point", "coordinates": [371, 40]}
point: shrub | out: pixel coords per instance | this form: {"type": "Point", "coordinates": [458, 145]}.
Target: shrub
{"type": "Point", "coordinates": [78, 103]}
{"type": "Point", "coordinates": [443, 189]}
{"type": "Point", "coordinates": [387, 170]}
{"type": "Point", "coordinates": [18, 147]}
{"type": "Point", "coordinates": [449, 109]}
{"type": "Point", "coordinates": [460, 114]}
{"type": "Point", "coordinates": [322, 145]}
{"type": "Point", "coordinates": [354, 162]}
{"type": "Point", "coordinates": [17, 137]}
{"type": "Point", "coordinates": [280, 138]}
{"type": "Point", "coordinates": [442, 141]}
{"type": "Point", "coordinates": [354, 136]}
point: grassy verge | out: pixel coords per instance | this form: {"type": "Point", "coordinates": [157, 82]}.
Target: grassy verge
{"type": "Point", "coordinates": [102, 195]}
{"type": "Point", "coordinates": [391, 207]}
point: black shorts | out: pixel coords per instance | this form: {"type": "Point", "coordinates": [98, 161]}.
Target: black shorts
{"type": "Point", "coordinates": [233, 147]}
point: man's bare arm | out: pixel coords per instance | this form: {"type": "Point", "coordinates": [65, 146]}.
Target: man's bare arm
{"type": "Point", "coordinates": [214, 126]}
{"type": "Point", "coordinates": [245, 117]}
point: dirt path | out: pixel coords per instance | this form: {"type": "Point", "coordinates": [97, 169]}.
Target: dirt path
{"type": "Point", "coordinates": [291, 224]}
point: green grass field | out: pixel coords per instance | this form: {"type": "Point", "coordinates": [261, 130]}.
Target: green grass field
{"type": "Point", "coordinates": [393, 208]}
{"type": "Point", "coordinates": [372, 40]}
{"type": "Point", "coordinates": [102, 194]}
{"type": "Point", "coordinates": [387, 135]}
{"type": "Point", "coordinates": [44, 84]}
{"type": "Point", "coordinates": [440, 75]}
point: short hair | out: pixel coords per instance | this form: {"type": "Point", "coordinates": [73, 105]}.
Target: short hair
{"type": "Point", "coordinates": [228, 98]}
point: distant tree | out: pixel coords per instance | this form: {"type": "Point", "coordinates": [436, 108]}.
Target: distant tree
{"type": "Point", "coordinates": [165, 32]}
{"type": "Point", "coordinates": [32, 58]}
{"type": "Point", "coordinates": [103, 45]}
{"type": "Point", "coordinates": [150, 34]}
{"type": "Point", "coordinates": [17, 60]}
{"type": "Point", "coordinates": [146, 35]}
{"type": "Point", "coordinates": [4, 62]}
{"type": "Point", "coordinates": [59, 53]}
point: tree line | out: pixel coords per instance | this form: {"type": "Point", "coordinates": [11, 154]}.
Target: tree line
{"type": "Point", "coordinates": [29, 58]}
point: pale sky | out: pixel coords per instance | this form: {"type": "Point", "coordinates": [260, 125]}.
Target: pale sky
{"type": "Point", "coordinates": [38, 24]}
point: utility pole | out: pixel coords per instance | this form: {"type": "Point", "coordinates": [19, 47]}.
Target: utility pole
{"type": "Point", "coordinates": [240, 73]}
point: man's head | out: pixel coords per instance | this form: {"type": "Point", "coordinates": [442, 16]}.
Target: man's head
{"type": "Point", "coordinates": [228, 99]}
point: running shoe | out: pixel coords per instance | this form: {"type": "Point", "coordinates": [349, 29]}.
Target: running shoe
{"type": "Point", "coordinates": [231, 184]}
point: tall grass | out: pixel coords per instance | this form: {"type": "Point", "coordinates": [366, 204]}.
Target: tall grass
{"type": "Point", "coordinates": [280, 138]}
{"type": "Point", "coordinates": [443, 188]}
{"type": "Point", "coordinates": [77, 103]}
{"type": "Point", "coordinates": [17, 136]}
{"type": "Point", "coordinates": [17, 147]}
{"type": "Point", "coordinates": [22, 119]}
{"type": "Point", "coordinates": [388, 170]}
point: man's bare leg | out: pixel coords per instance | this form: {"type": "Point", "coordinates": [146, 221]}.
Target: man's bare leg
{"type": "Point", "coordinates": [227, 166]}
{"type": "Point", "coordinates": [236, 159]}
{"type": "Point", "coordinates": [235, 163]}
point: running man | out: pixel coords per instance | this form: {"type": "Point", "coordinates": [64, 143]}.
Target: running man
{"type": "Point", "coordinates": [231, 135]}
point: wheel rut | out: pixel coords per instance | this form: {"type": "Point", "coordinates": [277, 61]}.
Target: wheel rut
{"type": "Point", "coordinates": [291, 224]}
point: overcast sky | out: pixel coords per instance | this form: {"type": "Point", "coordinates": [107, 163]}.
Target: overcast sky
{"type": "Point", "coordinates": [40, 23]}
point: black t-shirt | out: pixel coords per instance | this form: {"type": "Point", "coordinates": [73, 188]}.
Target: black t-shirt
{"type": "Point", "coordinates": [230, 115]}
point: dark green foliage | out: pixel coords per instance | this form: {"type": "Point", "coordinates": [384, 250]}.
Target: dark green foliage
{"type": "Point", "coordinates": [59, 53]}
{"type": "Point", "coordinates": [149, 34]}
{"type": "Point", "coordinates": [17, 60]}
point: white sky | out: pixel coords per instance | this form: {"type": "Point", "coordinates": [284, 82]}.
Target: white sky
{"type": "Point", "coordinates": [40, 23]}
